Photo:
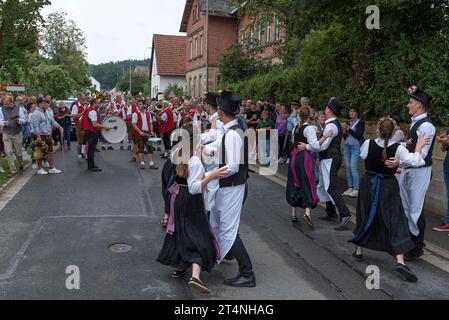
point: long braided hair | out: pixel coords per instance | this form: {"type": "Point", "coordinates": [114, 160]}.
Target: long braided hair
{"type": "Point", "coordinates": [385, 129]}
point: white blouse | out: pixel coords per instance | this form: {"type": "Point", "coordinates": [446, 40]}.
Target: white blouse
{"type": "Point", "coordinates": [407, 158]}
{"type": "Point", "coordinates": [196, 175]}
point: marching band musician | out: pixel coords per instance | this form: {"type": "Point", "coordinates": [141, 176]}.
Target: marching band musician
{"type": "Point", "coordinates": [143, 130]}
{"type": "Point", "coordinates": [91, 125]}
{"type": "Point", "coordinates": [129, 114]}
{"type": "Point", "coordinates": [77, 112]}
{"type": "Point", "coordinates": [166, 127]}
{"type": "Point", "coordinates": [111, 110]}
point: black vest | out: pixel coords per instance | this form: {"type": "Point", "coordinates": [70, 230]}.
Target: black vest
{"type": "Point", "coordinates": [374, 160]}
{"type": "Point", "coordinates": [334, 149]}
{"type": "Point", "coordinates": [242, 176]}
{"type": "Point", "coordinates": [299, 135]}
{"type": "Point", "coordinates": [413, 137]}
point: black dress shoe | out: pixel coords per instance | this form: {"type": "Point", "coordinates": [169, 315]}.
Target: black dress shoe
{"type": "Point", "coordinates": [95, 169]}
{"type": "Point", "coordinates": [406, 273]}
{"type": "Point", "coordinates": [343, 224]}
{"type": "Point", "coordinates": [329, 218]}
{"type": "Point", "coordinates": [241, 282]}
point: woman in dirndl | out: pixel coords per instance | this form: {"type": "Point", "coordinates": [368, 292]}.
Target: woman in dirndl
{"type": "Point", "coordinates": [189, 240]}
{"type": "Point", "coordinates": [301, 184]}
{"type": "Point", "coordinates": [381, 221]}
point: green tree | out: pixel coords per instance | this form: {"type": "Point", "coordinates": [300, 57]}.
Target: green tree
{"type": "Point", "coordinates": [63, 44]}
{"type": "Point", "coordinates": [174, 88]}
{"type": "Point", "coordinates": [19, 21]}
{"type": "Point", "coordinates": [138, 82]}
{"type": "Point", "coordinates": [52, 80]}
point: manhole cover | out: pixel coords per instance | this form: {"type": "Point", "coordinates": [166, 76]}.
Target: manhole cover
{"type": "Point", "coordinates": [120, 248]}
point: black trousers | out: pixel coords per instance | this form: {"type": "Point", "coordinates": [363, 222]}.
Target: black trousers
{"type": "Point", "coordinates": [419, 240]}
{"type": "Point", "coordinates": [335, 192]}
{"type": "Point", "coordinates": [166, 139]}
{"type": "Point", "coordinates": [238, 250]}
{"type": "Point", "coordinates": [92, 141]}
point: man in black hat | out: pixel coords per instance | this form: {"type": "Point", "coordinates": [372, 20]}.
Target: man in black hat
{"type": "Point", "coordinates": [225, 216]}
{"type": "Point", "coordinates": [415, 182]}
{"type": "Point", "coordinates": [330, 162]}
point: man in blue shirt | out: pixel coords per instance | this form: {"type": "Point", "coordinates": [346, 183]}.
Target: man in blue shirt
{"type": "Point", "coordinates": [444, 141]}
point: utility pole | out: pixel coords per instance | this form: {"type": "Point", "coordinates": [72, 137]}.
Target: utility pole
{"type": "Point", "coordinates": [130, 78]}
{"type": "Point", "coordinates": [207, 46]}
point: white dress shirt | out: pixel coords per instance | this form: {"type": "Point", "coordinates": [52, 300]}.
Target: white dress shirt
{"type": "Point", "coordinates": [196, 175]}
{"type": "Point", "coordinates": [145, 127]}
{"type": "Point", "coordinates": [234, 146]}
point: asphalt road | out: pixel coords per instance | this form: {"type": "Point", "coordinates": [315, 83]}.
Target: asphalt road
{"type": "Point", "coordinates": [72, 219]}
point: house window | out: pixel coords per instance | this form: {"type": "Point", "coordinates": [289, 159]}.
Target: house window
{"type": "Point", "coordinates": [195, 18]}
{"type": "Point", "coordinates": [277, 32]}
{"type": "Point", "coordinates": [190, 49]}
{"type": "Point", "coordinates": [251, 38]}
{"type": "Point", "coordinates": [200, 86]}
{"type": "Point", "coordinates": [194, 87]}
{"type": "Point", "coordinates": [259, 35]}
{"type": "Point", "coordinates": [196, 47]}
{"type": "Point", "coordinates": [201, 44]}
{"type": "Point", "coordinates": [268, 38]}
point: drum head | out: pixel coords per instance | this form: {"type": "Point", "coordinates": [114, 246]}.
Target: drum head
{"type": "Point", "coordinates": [114, 135]}
{"type": "Point", "coordinates": [155, 140]}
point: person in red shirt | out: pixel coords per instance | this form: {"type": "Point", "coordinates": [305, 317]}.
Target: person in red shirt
{"type": "Point", "coordinates": [91, 125]}
{"type": "Point", "coordinates": [166, 127]}
{"type": "Point", "coordinates": [143, 130]}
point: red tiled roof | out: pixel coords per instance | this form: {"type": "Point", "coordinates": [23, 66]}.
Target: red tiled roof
{"type": "Point", "coordinates": [171, 54]}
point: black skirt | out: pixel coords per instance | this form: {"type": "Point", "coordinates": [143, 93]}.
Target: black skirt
{"type": "Point", "coordinates": [304, 196]}
{"type": "Point", "coordinates": [192, 241]}
{"type": "Point", "coordinates": [167, 179]}
{"type": "Point", "coordinates": [389, 230]}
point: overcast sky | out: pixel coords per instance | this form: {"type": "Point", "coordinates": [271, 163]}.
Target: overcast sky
{"type": "Point", "coordinates": [120, 30]}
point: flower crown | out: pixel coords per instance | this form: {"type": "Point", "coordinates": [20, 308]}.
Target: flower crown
{"type": "Point", "coordinates": [386, 118]}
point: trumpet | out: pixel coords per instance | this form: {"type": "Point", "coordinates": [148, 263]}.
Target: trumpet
{"type": "Point", "coordinates": [160, 106]}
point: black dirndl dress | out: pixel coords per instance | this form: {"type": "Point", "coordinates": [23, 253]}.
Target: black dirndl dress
{"type": "Point", "coordinates": [167, 179]}
{"type": "Point", "coordinates": [381, 221]}
{"type": "Point", "coordinates": [192, 240]}
{"type": "Point", "coordinates": [301, 184]}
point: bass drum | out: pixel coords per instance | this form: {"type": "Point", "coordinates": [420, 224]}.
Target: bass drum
{"type": "Point", "coordinates": [118, 132]}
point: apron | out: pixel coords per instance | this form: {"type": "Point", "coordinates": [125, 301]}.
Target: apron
{"type": "Point", "coordinates": [325, 169]}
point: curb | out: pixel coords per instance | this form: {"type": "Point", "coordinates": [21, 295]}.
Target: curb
{"type": "Point", "coordinates": [13, 179]}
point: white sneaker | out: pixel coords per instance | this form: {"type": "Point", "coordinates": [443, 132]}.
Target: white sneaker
{"type": "Point", "coordinates": [354, 194]}
{"type": "Point", "coordinates": [54, 171]}
{"type": "Point", "coordinates": [348, 192]}
{"type": "Point", "coordinates": [42, 172]}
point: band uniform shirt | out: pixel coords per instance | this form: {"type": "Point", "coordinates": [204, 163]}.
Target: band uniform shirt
{"type": "Point", "coordinates": [145, 124]}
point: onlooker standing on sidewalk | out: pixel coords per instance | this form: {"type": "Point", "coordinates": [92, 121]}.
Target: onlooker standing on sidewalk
{"type": "Point", "coordinates": [11, 120]}
{"type": "Point", "coordinates": [444, 141]}
{"type": "Point", "coordinates": [64, 118]}
{"type": "Point", "coordinates": [26, 133]}
{"type": "Point", "coordinates": [354, 131]}
{"type": "Point", "coordinates": [281, 127]}
{"type": "Point", "coordinates": [398, 136]}
{"type": "Point", "coordinates": [293, 121]}
{"type": "Point", "coordinates": [42, 128]}
{"type": "Point", "coordinates": [266, 125]}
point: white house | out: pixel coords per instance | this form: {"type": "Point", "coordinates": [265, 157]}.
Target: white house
{"type": "Point", "coordinates": [167, 63]}
{"type": "Point", "coordinates": [95, 84]}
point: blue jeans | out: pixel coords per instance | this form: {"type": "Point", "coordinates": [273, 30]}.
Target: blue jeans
{"type": "Point", "coordinates": [352, 160]}
{"type": "Point", "coordinates": [446, 180]}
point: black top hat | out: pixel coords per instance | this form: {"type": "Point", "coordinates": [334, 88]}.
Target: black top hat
{"type": "Point", "coordinates": [229, 102]}
{"type": "Point", "coordinates": [211, 98]}
{"type": "Point", "coordinates": [335, 106]}
{"type": "Point", "coordinates": [420, 96]}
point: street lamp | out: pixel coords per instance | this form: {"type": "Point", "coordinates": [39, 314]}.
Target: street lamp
{"type": "Point", "coordinates": [207, 46]}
